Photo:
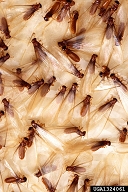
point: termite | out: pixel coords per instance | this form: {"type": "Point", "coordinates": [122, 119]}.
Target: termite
{"type": "Point", "coordinates": [74, 185]}
{"type": "Point", "coordinates": [31, 11]}
{"type": "Point", "coordinates": [61, 94]}
{"type": "Point", "coordinates": [46, 87]}
{"type": "Point", "coordinates": [52, 11]}
{"type": "Point", "coordinates": [30, 136]}
{"type": "Point", "coordinates": [104, 7]}
{"type": "Point", "coordinates": [2, 44]}
{"type": "Point", "coordinates": [8, 107]}
{"type": "Point", "coordinates": [35, 86]}
{"type": "Point", "coordinates": [100, 144]}
{"type": "Point", "coordinates": [95, 6]}
{"type": "Point", "coordinates": [120, 33]}
{"type": "Point", "coordinates": [22, 147]}
{"type": "Point", "coordinates": [74, 130]}
{"type": "Point", "coordinates": [21, 84]}
{"type": "Point", "coordinates": [72, 92]}
{"type": "Point", "coordinates": [18, 71]}
{"type": "Point", "coordinates": [107, 105]}
{"type": "Point", "coordinates": [123, 134]}
{"type": "Point", "coordinates": [4, 58]}
{"type": "Point", "coordinates": [110, 11]}
{"type": "Point", "coordinates": [63, 11]}
{"type": "Point", "coordinates": [86, 106]}
{"type": "Point", "coordinates": [76, 169]}
{"type": "Point", "coordinates": [48, 185]}
{"type": "Point", "coordinates": [118, 82]}
{"type": "Point", "coordinates": [15, 180]}
{"type": "Point", "coordinates": [91, 64]}
{"type": "Point", "coordinates": [69, 52]}
{"type": "Point", "coordinates": [1, 85]}
{"type": "Point", "coordinates": [109, 28]}
{"type": "Point", "coordinates": [4, 27]}
{"type": "Point", "coordinates": [73, 21]}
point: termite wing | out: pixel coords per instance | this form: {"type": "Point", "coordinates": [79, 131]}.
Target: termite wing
{"type": "Point", "coordinates": [51, 140]}
{"type": "Point", "coordinates": [74, 184]}
{"type": "Point", "coordinates": [67, 105]}
{"type": "Point", "coordinates": [50, 111]}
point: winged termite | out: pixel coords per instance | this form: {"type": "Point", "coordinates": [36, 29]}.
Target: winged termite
{"type": "Point", "coordinates": [30, 136]}
{"type": "Point", "coordinates": [48, 137]}
{"type": "Point", "coordinates": [100, 144]}
{"type": "Point", "coordinates": [2, 44]}
{"type": "Point", "coordinates": [4, 58]}
{"type": "Point", "coordinates": [104, 7]}
{"type": "Point", "coordinates": [21, 84]}
{"type": "Point", "coordinates": [64, 10]}
{"type": "Point", "coordinates": [88, 75]}
{"type": "Point", "coordinates": [8, 107]}
{"type": "Point", "coordinates": [109, 28]}
{"type": "Point", "coordinates": [4, 27]}
{"type": "Point", "coordinates": [22, 147]}
{"type": "Point", "coordinates": [74, 185]}
{"type": "Point", "coordinates": [35, 86]}
{"type": "Point", "coordinates": [107, 105]}
{"type": "Point", "coordinates": [1, 85]}
{"type": "Point", "coordinates": [109, 12]}
{"type": "Point", "coordinates": [76, 169]}
{"type": "Point", "coordinates": [120, 33]}
{"type": "Point", "coordinates": [48, 185]}
{"type": "Point", "coordinates": [33, 8]}
{"type": "Point", "coordinates": [95, 6]}
{"type": "Point", "coordinates": [53, 107]}
{"type": "Point", "coordinates": [86, 106]}
{"type": "Point", "coordinates": [73, 21]}
{"type": "Point", "coordinates": [74, 130]}
{"type": "Point", "coordinates": [68, 103]}
{"type": "Point", "coordinates": [69, 52]}
{"type": "Point", "coordinates": [46, 87]}
{"type": "Point", "coordinates": [118, 82]}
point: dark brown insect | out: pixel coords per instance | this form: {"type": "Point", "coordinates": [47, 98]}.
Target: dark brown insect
{"type": "Point", "coordinates": [72, 92]}
{"type": "Point", "coordinates": [73, 20]}
{"type": "Point", "coordinates": [70, 53]}
{"type": "Point", "coordinates": [1, 113]}
{"type": "Point", "coordinates": [95, 6]}
{"type": "Point", "coordinates": [31, 11]}
{"type": "Point", "coordinates": [4, 27]}
{"type": "Point", "coordinates": [100, 144]}
{"type": "Point", "coordinates": [74, 130]}
{"type": "Point", "coordinates": [22, 148]}
{"type": "Point", "coordinates": [64, 10]}
{"type": "Point", "coordinates": [86, 185]}
{"type": "Point", "coordinates": [74, 184]}
{"type": "Point", "coordinates": [123, 134]}
{"type": "Point", "coordinates": [1, 85]}
{"type": "Point", "coordinates": [104, 7]}
{"type": "Point", "coordinates": [48, 185]}
{"type": "Point", "coordinates": [15, 180]}
{"type": "Point", "coordinates": [110, 11]}
{"type": "Point", "coordinates": [91, 64]}
{"type": "Point", "coordinates": [18, 71]}
{"type": "Point", "coordinates": [110, 28]}
{"type": "Point", "coordinates": [107, 105]}
{"type": "Point", "coordinates": [8, 107]}
{"type": "Point", "coordinates": [21, 84]}
{"type": "Point", "coordinates": [52, 11]}
{"type": "Point", "coordinates": [86, 106]}
{"type": "Point", "coordinates": [61, 94]}
{"type": "Point", "coordinates": [30, 136]}
{"type": "Point", "coordinates": [120, 33]}
{"type": "Point", "coordinates": [76, 169]}
{"type": "Point", "coordinates": [2, 44]}
{"type": "Point", "coordinates": [46, 86]}
{"type": "Point", "coordinates": [36, 85]}
{"type": "Point", "coordinates": [118, 82]}
{"type": "Point", "coordinates": [4, 58]}
{"type": "Point", "coordinates": [105, 72]}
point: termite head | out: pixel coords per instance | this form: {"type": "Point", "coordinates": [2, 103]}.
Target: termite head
{"type": "Point", "coordinates": [5, 102]}
{"type": "Point", "coordinates": [38, 174]}
{"type": "Point", "coordinates": [22, 180]}
{"type": "Point", "coordinates": [113, 76]}
{"type": "Point", "coordinates": [125, 131]}
{"type": "Point", "coordinates": [75, 14]}
{"type": "Point", "coordinates": [62, 45]}
{"type": "Point", "coordinates": [33, 124]}
{"type": "Point", "coordinates": [18, 71]}
{"type": "Point", "coordinates": [108, 143]}
{"type": "Point", "coordinates": [74, 86]}
{"type": "Point", "coordinates": [1, 113]}
{"type": "Point", "coordinates": [114, 101]}
{"type": "Point", "coordinates": [39, 6]}
{"type": "Point", "coordinates": [110, 21]}
{"type": "Point", "coordinates": [30, 128]}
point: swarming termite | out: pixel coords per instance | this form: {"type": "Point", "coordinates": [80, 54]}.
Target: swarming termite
{"type": "Point", "coordinates": [73, 21]}
{"type": "Point", "coordinates": [118, 82]}
{"type": "Point", "coordinates": [48, 185]}
{"type": "Point", "coordinates": [74, 130]}
{"type": "Point", "coordinates": [22, 148]}
{"type": "Point", "coordinates": [31, 11]}
{"type": "Point", "coordinates": [95, 6]}
{"type": "Point", "coordinates": [74, 185]}
{"type": "Point", "coordinates": [46, 87]}
{"type": "Point", "coordinates": [109, 28]}
{"type": "Point", "coordinates": [69, 52]}
{"type": "Point", "coordinates": [64, 10]}
{"type": "Point", "coordinates": [72, 93]}
{"type": "Point", "coordinates": [34, 86]}
{"type": "Point", "coordinates": [15, 180]}
{"type": "Point", "coordinates": [8, 107]}
{"type": "Point", "coordinates": [100, 144]}
{"type": "Point", "coordinates": [110, 11]}
{"type": "Point", "coordinates": [104, 7]}
{"type": "Point", "coordinates": [119, 33]}
{"type": "Point", "coordinates": [4, 27]}
{"type": "Point", "coordinates": [30, 136]}
{"type": "Point", "coordinates": [86, 106]}
{"type": "Point", "coordinates": [4, 58]}
{"type": "Point", "coordinates": [107, 105]}
{"type": "Point", "coordinates": [1, 85]}
{"type": "Point", "coordinates": [2, 44]}
{"type": "Point", "coordinates": [21, 84]}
